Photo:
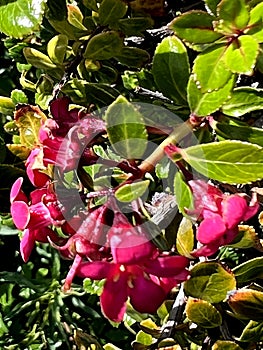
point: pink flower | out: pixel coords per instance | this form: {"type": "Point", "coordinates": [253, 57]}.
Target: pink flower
{"type": "Point", "coordinates": [146, 284]}
{"type": "Point", "coordinates": [36, 167]}
{"type": "Point", "coordinates": [220, 214]}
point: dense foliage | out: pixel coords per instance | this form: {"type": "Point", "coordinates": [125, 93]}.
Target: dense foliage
{"type": "Point", "coordinates": [131, 152]}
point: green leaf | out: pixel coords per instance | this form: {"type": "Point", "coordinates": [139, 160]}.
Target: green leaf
{"type": "Point", "coordinates": [185, 238]}
{"type": "Point", "coordinates": [240, 56]}
{"type": "Point", "coordinates": [144, 338]}
{"type": "Point", "coordinates": [104, 46]}
{"type": "Point", "coordinates": [247, 304]}
{"type": "Point", "coordinates": [195, 27]}
{"type": "Point", "coordinates": [225, 345]}
{"type": "Point", "coordinates": [233, 16]}
{"type": "Point", "coordinates": [20, 18]}
{"type": "Point", "coordinates": [130, 192]}
{"type": "Point", "coordinates": [171, 69]}
{"type": "Point", "coordinates": [255, 24]}
{"type": "Point", "coordinates": [252, 332]}
{"type": "Point", "coordinates": [183, 193]}
{"type": "Point", "coordinates": [203, 313]}
{"type": "Point", "coordinates": [135, 25]}
{"type": "Point", "coordinates": [238, 132]}
{"type": "Point", "coordinates": [75, 17]}
{"type": "Point", "coordinates": [203, 104]}
{"type": "Point", "coordinates": [29, 120]}
{"type": "Point", "coordinates": [18, 96]}
{"type": "Point", "coordinates": [249, 270]}
{"type": "Point", "coordinates": [212, 5]}
{"type": "Point", "coordinates": [209, 281]}
{"type": "Point", "coordinates": [111, 10]}
{"type": "Point", "coordinates": [243, 100]}
{"type": "Point", "coordinates": [132, 56]}
{"type": "Point", "coordinates": [246, 238]}
{"type": "Point", "coordinates": [209, 69]}
{"type": "Point", "coordinates": [91, 4]}
{"type": "Point", "coordinates": [7, 105]}
{"type": "Point", "coordinates": [57, 47]}
{"type": "Point", "coordinates": [226, 161]}
{"type": "Point", "coordinates": [126, 129]}
{"type": "Point", "coordinates": [38, 59]}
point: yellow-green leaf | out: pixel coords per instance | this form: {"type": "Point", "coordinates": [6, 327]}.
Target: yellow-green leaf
{"type": "Point", "coordinates": [203, 313]}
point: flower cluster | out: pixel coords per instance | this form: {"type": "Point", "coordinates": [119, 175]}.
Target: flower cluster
{"type": "Point", "coordinates": [100, 240]}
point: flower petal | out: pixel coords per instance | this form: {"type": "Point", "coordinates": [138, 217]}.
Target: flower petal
{"type": "Point", "coordinates": [27, 244]}
{"type": "Point", "coordinates": [234, 208]}
{"type": "Point", "coordinates": [211, 229]}
{"type": "Point", "coordinates": [114, 296]}
{"type": "Point", "coordinates": [146, 296]}
{"type": "Point", "coordinates": [96, 270]}
{"type": "Point", "coordinates": [169, 266]}
{"type": "Point", "coordinates": [20, 214]}
{"type": "Point", "coordinates": [16, 194]}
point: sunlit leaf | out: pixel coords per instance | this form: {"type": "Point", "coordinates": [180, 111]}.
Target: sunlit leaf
{"type": "Point", "coordinates": [203, 313]}
{"type": "Point", "coordinates": [185, 238]}
{"type": "Point", "coordinates": [38, 59]}
{"type": "Point", "coordinates": [226, 345]}
{"type": "Point", "coordinates": [183, 193]}
{"type": "Point", "coordinates": [56, 48]}
{"type": "Point", "coordinates": [255, 24]}
{"type": "Point", "coordinates": [130, 192]}
{"type": "Point", "coordinates": [249, 270]}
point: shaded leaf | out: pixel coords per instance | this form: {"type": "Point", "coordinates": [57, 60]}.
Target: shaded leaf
{"type": "Point", "coordinates": [203, 313]}
{"type": "Point", "coordinates": [243, 100]}
{"type": "Point", "coordinates": [111, 10]}
{"type": "Point", "coordinates": [20, 18]}
{"type": "Point", "coordinates": [246, 238]}
{"type": "Point", "coordinates": [249, 270]}
{"type": "Point", "coordinates": [209, 281]}
{"type": "Point", "coordinates": [171, 69]}
{"type": "Point", "coordinates": [135, 25]}
{"type": "Point", "coordinates": [132, 56]}
{"type": "Point", "coordinates": [126, 129]}
{"type": "Point", "coordinates": [75, 17]}
{"type": "Point", "coordinates": [240, 56]}
{"type": "Point", "coordinates": [104, 46]}
{"type": "Point", "coordinates": [252, 332]}
{"type": "Point", "coordinates": [203, 104]}
{"type": "Point", "coordinates": [38, 59]}
{"type": "Point", "coordinates": [225, 345]}
{"type": "Point", "coordinates": [196, 27]}
{"type": "Point", "coordinates": [130, 192]}
{"type": "Point", "coordinates": [247, 304]}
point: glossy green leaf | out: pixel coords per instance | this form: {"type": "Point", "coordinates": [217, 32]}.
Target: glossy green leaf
{"type": "Point", "coordinates": [226, 161]}
{"type": "Point", "coordinates": [240, 57]}
{"type": "Point", "coordinates": [247, 304]}
{"type": "Point", "coordinates": [7, 105]}
{"type": "Point", "coordinates": [28, 120]}
{"type": "Point", "coordinates": [209, 69]}
{"type": "Point", "coordinates": [144, 338]}
{"type": "Point", "coordinates": [171, 69]}
{"type": "Point", "coordinates": [233, 15]}
{"type": "Point", "coordinates": [246, 238]}
{"type": "Point", "coordinates": [126, 129]}
{"type": "Point", "coordinates": [212, 5]}
{"type": "Point", "coordinates": [130, 192]}
{"type": "Point", "coordinates": [252, 332]}
{"type": "Point", "coordinates": [242, 133]}
{"type": "Point", "coordinates": [104, 46]}
{"type": "Point", "coordinates": [183, 193]}
{"type": "Point", "coordinates": [243, 100]}
{"type": "Point", "coordinates": [75, 17]}
{"type": "Point", "coordinates": [38, 59]}
{"type": "Point", "coordinates": [111, 10]}
{"type": "Point", "coordinates": [20, 18]}
{"type": "Point", "coordinates": [203, 313]}
{"type": "Point", "coordinates": [209, 281]}
{"type": "Point", "coordinates": [203, 104]}
{"type": "Point", "coordinates": [195, 27]}
{"type": "Point", "coordinates": [135, 25]}
{"type": "Point", "coordinates": [57, 47]}
{"type": "Point", "coordinates": [255, 24]}
{"type": "Point", "coordinates": [185, 238]}
{"type": "Point", "coordinates": [132, 56]}
{"type": "Point", "coordinates": [225, 345]}
{"type": "Point", "coordinates": [64, 27]}
{"type": "Point", "coordinates": [249, 270]}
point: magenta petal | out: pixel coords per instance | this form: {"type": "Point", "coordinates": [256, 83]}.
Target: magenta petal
{"type": "Point", "coordinates": [16, 193]}
{"type": "Point", "coordinates": [96, 270]}
{"type": "Point", "coordinates": [234, 208]}
{"type": "Point", "coordinates": [206, 250]}
{"type": "Point", "coordinates": [146, 296]}
{"type": "Point", "coordinates": [211, 229]}
{"type": "Point", "coordinates": [169, 266]}
{"type": "Point", "coordinates": [20, 214]}
{"type": "Point", "coordinates": [27, 244]}
{"type": "Point", "coordinates": [114, 296]}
